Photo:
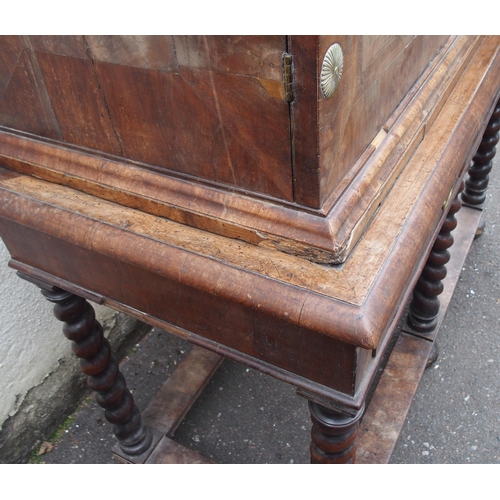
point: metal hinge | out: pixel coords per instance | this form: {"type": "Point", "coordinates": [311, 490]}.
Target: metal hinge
{"type": "Point", "coordinates": [288, 76]}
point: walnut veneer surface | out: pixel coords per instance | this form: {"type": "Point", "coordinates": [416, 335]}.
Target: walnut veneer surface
{"type": "Point", "coordinates": [170, 178]}
{"type": "Point", "coordinates": [303, 176]}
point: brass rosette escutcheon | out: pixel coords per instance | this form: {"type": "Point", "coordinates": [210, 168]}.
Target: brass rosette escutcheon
{"type": "Point", "coordinates": [331, 70]}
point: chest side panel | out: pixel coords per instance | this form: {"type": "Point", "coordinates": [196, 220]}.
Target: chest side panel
{"type": "Point", "coordinates": [378, 72]}
{"type": "Point", "coordinates": [210, 107]}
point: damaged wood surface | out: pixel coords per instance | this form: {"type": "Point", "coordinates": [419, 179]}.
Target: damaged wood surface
{"type": "Point", "coordinates": [308, 294]}
{"type": "Point", "coordinates": [384, 66]}
{"type": "Point", "coordinates": [385, 258]}
{"type": "Point", "coordinates": [320, 236]}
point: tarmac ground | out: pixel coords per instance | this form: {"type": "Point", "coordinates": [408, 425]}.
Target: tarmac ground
{"type": "Point", "coordinates": [246, 417]}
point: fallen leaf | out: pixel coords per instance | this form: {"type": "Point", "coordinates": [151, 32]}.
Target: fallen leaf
{"type": "Point", "coordinates": [45, 447]}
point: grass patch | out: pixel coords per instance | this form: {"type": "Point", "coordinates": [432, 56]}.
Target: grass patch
{"type": "Point", "coordinates": [37, 454]}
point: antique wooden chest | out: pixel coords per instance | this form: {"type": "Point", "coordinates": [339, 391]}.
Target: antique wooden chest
{"type": "Point", "coordinates": [269, 198]}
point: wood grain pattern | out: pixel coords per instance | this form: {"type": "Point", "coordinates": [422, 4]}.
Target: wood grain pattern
{"type": "Point", "coordinates": [10, 51]}
{"type": "Point", "coordinates": [237, 323]}
{"type": "Point", "coordinates": [137, 98]}
{"type": "Point", "coordinates": [227, 214]}
{"type": "Point", "coordinates": [348, 122]}
{"type": "Point", "coordinates": [252, 55]}
{"type": "Point", "coordinates": [304, 123]}
{"type": "Point", "coordinates": [356, 199]}
{"type": "Point", "coordinates": [362, 325]}
{"type": "Point", "coordinates": [386, 413]}
{"type": "Point", "coordinates": [148, 52]}
{"type": "Point", "coordinates": [412, 198]}
{"type": "Point", "coordinates": [279, 266]}
{"type": "Point", "coordinates": [318, 236]}
{"type": "Point", "coordinates": [25, 103]}
{"type": "Point", "coordinates": [78, 102]}
{"type": "Point", "coordinates": [64, 45]}
{"type": "Point", "coordinates": [128, 228]}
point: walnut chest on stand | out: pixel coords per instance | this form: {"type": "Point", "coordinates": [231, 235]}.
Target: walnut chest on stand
{"type": "Point", "coordinates": [272, 199]}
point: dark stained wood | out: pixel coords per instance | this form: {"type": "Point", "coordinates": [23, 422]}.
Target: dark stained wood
{"type": "Point", "coordinates": [10, 51]}
{"type": "Point", "coordinates": [357, 198]}
{"type": "Point", "coordinates": [216, 223]}
{"type": "Point", "coordinates": [385, 416]}
{"type": "Point", "coordinates": [424, 308]}
{"type": "Point", "coordinates": [139, 98]}
{"type": "Point", "coordinates": [25, 104]}
{"type": "Point", "coordinates": [354, 316]}
{"type": "Point", "coordinates": [150, 127]}
{"type": "Point", "coordinates": [148, 52]}
{"type": "Point", "coordinates": [329, 135]}
{"type": "Point", "coordinates": [304, 122]}
{"type": "Point", "coordinates": [139, 458]}
{"type": "Point", "coordinates": [333, 436]}
{"type": "Point", "coordinates": [260, 334]}
{"type": "Point", "coordinates": [388, 69]}
{"type": "Point", "coordinates": [246, 285]}
{"type": "Point", "coordinates": [477, 181]}
{"type": "Point", "coordinates": [244, 55]}
{"type": "Point", "coordinates": [79, 103]}
{"type": "Point", "coordinates": [246, 153]}
{"type": "Point", "coordinates": [227, 214]}
{"type": "Point", "coordinates": [98, 363]}
{"type": "Point", "coordinates": [63, 45]}
{"type": "Point", "coordinates": [320, 237]}
{"type": "Point", "coordinates": [212, 142]}
{"type": "Point", "coordinates": [383, 420]}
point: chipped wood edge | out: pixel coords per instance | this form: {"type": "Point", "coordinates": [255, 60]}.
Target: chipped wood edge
{"type": "Point", "coordinates": [314, 235]}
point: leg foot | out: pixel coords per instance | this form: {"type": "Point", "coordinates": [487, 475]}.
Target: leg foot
{"type": "Point", "coordinates": [333, 435]}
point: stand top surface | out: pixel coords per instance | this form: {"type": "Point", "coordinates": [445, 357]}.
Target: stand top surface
{"type": "Point", "coordinates": [352, 302]}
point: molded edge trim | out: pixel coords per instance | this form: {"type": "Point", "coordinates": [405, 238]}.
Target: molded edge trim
{"type": "Point", "coordinates": [316, 236]}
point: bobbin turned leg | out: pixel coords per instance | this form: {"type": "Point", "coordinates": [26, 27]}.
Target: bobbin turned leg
{"type": "Point", "coordinates": [424, 307]}
{"type": "Point", "coordinates": [477, 182]}
{"type": "Point", "coordinates": [333, 435]}
{"type": "Point", "coordinates": [97, 361]}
